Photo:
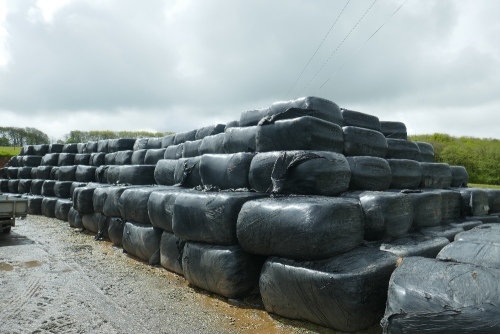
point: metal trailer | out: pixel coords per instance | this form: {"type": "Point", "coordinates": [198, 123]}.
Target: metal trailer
{"type": "Point", "coordinates": [11, 207]}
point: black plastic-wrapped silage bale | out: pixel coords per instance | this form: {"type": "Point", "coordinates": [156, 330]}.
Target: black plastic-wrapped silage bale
{"type": "Point", "coordinates": [140, 144]}
{"type": "Point", "coordinates": [14, 186]}
{"type": "Point", "coordinates": [161, 206]}
{"type": "Point", "coordinates": [32, 173]}
{"type": "Point", "coordinates": [66, 159]}
{"type": "Point", "coordinates": [212, 144]}
{"type": "Point", "coordinates": [232, 124]}
{"type": "Point", "coordinates": [364, 142]}
{"type": "Point", "coordinates": [171, 250]}
{"type": "Point", "coordinates": [346, 292]}
{"type": "Point", "coordinates": [426, 151]}
{"type": "Point", "coordinates": [448, 231]}
{"type": "Point", "coordinates": [240, 139]}
{"type": "Point", "coordinates": [24, 186]}
{"type": "Point", "coordinates": [394, 130]}
{"type": "Point", "coordinates": [105, 200]}
{"type": "Point", "coordinates": [226, 171]}
{"type": "Point", "coordinates": [124, 157]}
{"type": "Point", "coordinates": [451, 210]}
{"type": "Point", "coordinates": [137, 174]}
{"type": "Point", "coordinates": [485, 233]}
{"type": "Point", "coordinates": [427, 209]}
{"type": "Point", "coordinates": [102, 146]}
{"type": "Point", "coordinates": [167, 141]}
{"type": "Point", "coordinates": [133, 204]}
{"type": "Point", "coordinates": [359, 119]}
{"type": "Point", "coordinates": [70, 148]}
{"type": "Point", "coordinates": [209, 217]}
{"type": "Point", "coordinates": [153, 143]}
{"type": "Point", "coordinates": [474, 201]}
{"type": "Point", "coordinates": [435, 175]}
{"type": "Point", "coordinates": [142, 241]}
{"type": "Point", "coordinates": [48, 188]}
{"type": "Point", "coordinates": [485, 219]}
{"type": "Point", "coordinates": [405, 174]}
{"type": "Point", "coordinates": [97, 223]}
{"type": "Point", "coordinates": [3, 172]}
{"type": "Point", "coordinates": [115, 230]}
{"type": "Point", "coordinates": [427, 295]}
{"type": "Point", "coordinates": [83, 199]}
{"type": "Point", "coordinates": [315, 134]}
{"type": "Point", "coordinates": [31, 160]}
{"type": "Point", "coordinates": [97, 159]}
{"type": "Point", "coordinates": [12, 172]}
{"type": "Point", "coordinates": [482, 254]}
{"type": "Point", "coordinates": [61, 209]}
{"type": "Point", "coordinates": [249, 118]}
{"type": "Point", "coordinates": [413, 244]}
{"type": "Point", "coordinates": [62, 189]}
{"type": "Point", "coordinates": [27, 150]}
{"type": "Point", "coordinates": [174, 151]}
{"type": "Point", "coordinates": [300, 172]}
{"type": "Point", "coordinates": [41, 150]}
{"type": "Point", "coordinates": [82, 159]}
{"type": "Point", "coordinates": [182, 137]}
{"type": "Point", "coordinates": [225, 270]}
{"type": "Point", "coordinates": [85, 173]}
{"type": "Point", "coordinates": [24, 172]}
{"type": "Point", "coordinates": [305, 228]}
{"type": "Point", "coordinates": [51, 159]}
{"type": "Point", "coordinates": [493, 200]}
{"type": "Point", "coordinates": [75, 218]}
{"type": "Point", "coordinates": [191, 149]}
{"type": "Point", "coordinates": [138, 157]}
{"type": "Point", "coordinates": [209, 131]}
{"type": "Point", "coordinates": [49, 206]}
{"type": "Point", "coordinates": [153, 155]}
{"type": "Point", "coordinates": [110, 159]}
{"type": "Point", "coordinates": [15, 161]}
{"type": "Point", "coordinates": [369, 173]}
{"type": "Point", "coordinates": [121, 144]}
{"type": "Point", "coordinates": [101, 174]}
{"type": "Point", "coordinates": [459, 176]}
{"type": "Point", "coordinates": [56, 148]}
{"type": "Point", "coordinates": [4, 186]}
{"type": "Point", "coordinates": [34, 205]}
{"type": "Point", "coordinates": [165, 172]}
{"type": "Point", "coordinates": [466, 224]}
{"type": "Point", "coordinates": [36, 186]}
{"type": "Point", "coordinates": [67, 173]}
{"type": "Point", "coordinates": [91, 147]}
{"type": "Point", "coordinates": [402, 149]}
{"type": "Point", "coordinates": [80, 147]}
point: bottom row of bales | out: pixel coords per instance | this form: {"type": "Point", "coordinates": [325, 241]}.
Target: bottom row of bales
{"type": "Point", "coordinates": [327, 260]}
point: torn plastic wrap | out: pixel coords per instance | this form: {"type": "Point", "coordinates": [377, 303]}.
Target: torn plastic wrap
{"type": "Point", "coordinates": [212, 144]}
{"type": "Point", "coordinates": [402, 149]}
{"type": "Point", "coordinates": [187, 172]}
{"type": "Point", "coordinates": [225, 270]}
{"type": "Point", "coordinates": [49, 206]}
{"type": "Point", "coordinates": [153, 155]}
{"type": "Point", "coordinates": [300, 172]}
{"type": "Point", "coordinates": [395, 130]}
{"type": "Point", "coordinates": [364, 142]}
{"type": "Point", "coordinates": [209, 131]}
{"type": "Point", "coordinates": [75, 218]}
{"type": "Point", "coordinates": [459, 176]}
{"type": "Point", "coordinates": [406, 174]}
{"type": "Point", "coordinates": [62, 208]}
{"type": "Point", "coordinates": [226, 171]}
{"type": "Point", "coordinates": [62, 189]}
{"type": "Point", "coordinates": [142, 241]}
{"type": "Point", "coordinates": [240, 139]}
{"type": "Point", "coordinates": [138, 157]}
{"type": "Point", "coordinates": [315, 134]}
{"type": "Point", "coordinates": [171, 250]}
{"type": "Point", "coordinates": [161, 207]}
{"type": "Point", "coordinates": [435, 175]}
{"type": "Point", "coordinates": [346, 292]}
{"type": "Point", "coordinates": [66, 159]}
{"type": "Point", "coordinates": [34, 205]}
{"type": "Point", "coordinates": [302, 227]}
{"type": "Point", "coordinates": [369, 173]}
{"type": "Point", "coordinates": [209, 217]}
{"type": "Point", "coordinates": [191, 149]}
{"type": "Point", "coordinates": [115, 230]}
{"type": "Point", "coordinates": [359, 119]}
{"type": "Point", "coordinates": [181, 137]}
{"type": "Point", "coordinates": [427, 295]}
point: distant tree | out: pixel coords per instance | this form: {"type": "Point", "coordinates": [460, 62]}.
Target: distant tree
{"type": "Point", "coordinates": [77, 136]}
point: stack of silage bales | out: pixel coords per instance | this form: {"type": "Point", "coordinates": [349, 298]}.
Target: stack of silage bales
{"type": "Point", "coordinates": [310, 204]}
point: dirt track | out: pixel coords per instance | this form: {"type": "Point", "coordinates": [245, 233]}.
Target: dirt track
{"type": "Point", "coordinates": [55, 279]}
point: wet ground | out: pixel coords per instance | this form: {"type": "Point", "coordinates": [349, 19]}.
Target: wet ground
{"type": "Point", "coordinates": [54, 279]}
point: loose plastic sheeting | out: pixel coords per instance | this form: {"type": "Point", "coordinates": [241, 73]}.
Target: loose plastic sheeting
{"type": "Point", "coordinates": [346, 292]}
{"type": "Point", "coordinates": [369, 173]}
{"type": "Point", "coordinates": [24, 172]}
{"type": "Point", "coordinates": [24, 186]}
{"type": "Point", "coordinates": [240, 139]}
{"type": "Point", "coordinates": [85, 173]}
{"type": "Point", "coordinates": [174, 151]}
{"type": "Point", "coordinates": [62, 189]}
{"type": "Point", "coordinates": [138, 157]}
{"type": "Point", "coordinates": [447, 231]}
{"type": "Point", "coordinates": [209, 217]}
{"type": "Point", "coordinates": [300, 172]}
{"type": "Point", "coordinates": [435, 175]}
{"type": "Point", "coordinates": [48, 188]}
{"type": "Point", "coordinates": [364, 142]}
{"type": "Point", "coordinates": [304, 133]}
{"type": "Point", "coordinates": [66, 159]}
{"type": "Point", "coordinates": [182, 137]}
{"type": "Point", "coordinates": [75, 218]}
{"type": "Point", "coordinates": [167, 141]}
{"type": "Point", "coordinates": [43, 172]}
{"type": "Point", "coordinates": [305, 228]}
{"type": "Point", "coordinates": [474, 201]}
{"type": "Point", "coordinates": [395, 130]}
{"type": "Point", "coordinates": [110, 159]}
{"type": "Point", "coordinates": [153, 155]}
{"type": "Point", "coordinates": [34, 205]}
{"type": "Point", "coordinates": [482, 254]}
{"type": "Point", "coordinates": [124, 157]}
{"type": "Point", "coordinates": [137, 174]}
{"type": "Point", "coordinates": [459, 176]}
{"type": "Point", "coordinates": [427, 295]}
{"type": "Point", "coordinates": [14, 186]}
{"type": "Point", "coordinates": [413, 244]}
{"type": "Point", "coordinates": [161, 207]}
{"type": "Point", "coordinates": [402, 149]}
{"type": "Point", "coordinates": [121, 144]}
{"type": "Point", "coordinates": [62, 208]}
{"type": "Point", "coordinates": [486, 233]}
{"type": "Point", "coordinates": [187, 172]}
{"type": "Point", "coordinates": [32, 160]}
{"type": "Point", "coordinates": [115, 230]}
{"type": "Point", "coordinates": [493, 199]}
{"type": "Point", "coordinates": [142, 241]}
{"type": "Point", "coordinates": [82, 159]}
{"type": "Point", "coordinates": [36, 187]}
{"type": "Point", "coordinates": [67, 173]}
{"type": "Point", "coordinates": [226, 171]}
{"type": "Point", "coordinates": [70, 148]}
{"type": "Point", "coordinates": [49, 206]}
{"type": "Point", "coordinates": [359, 119]}
{"type": "Point", "coordinates": [55, 148]}
{"type": "Point", "coordinates": [97, 159]}
{"type": "Point", "coordinates": [191, 149]}
{"type": "Point", "coordinates": [250, 118]}
{"type": "Point", "coordinates": [133, 204]}
{"type": "Point", "coordinates": [405, 174]}
{"type": "Point", "coordinates": [209, 131]}
{"type": "Point", "coordinates": [140, 144]}
{"type": "Point", "coordinates": [212, 144]}
{"type": "Point", "coordinates": [171, 250]}
{"type": "Point", "coordinates": [225, 270]}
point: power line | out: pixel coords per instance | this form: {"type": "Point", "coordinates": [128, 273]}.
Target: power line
{"type": "Point", "coordinates": [319, 46]}
{"type": "Point", "coordinates": [362, 45]}
{"type": "Point", "coordinates": [338, 47]}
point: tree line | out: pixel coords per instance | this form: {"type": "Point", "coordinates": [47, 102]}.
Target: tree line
{"type": "Point", "coordinates": [481, 157]}
{"type": "Point", "coordinates": [13, 136]}
{"type": "Point", "coordinates": [77, 136]}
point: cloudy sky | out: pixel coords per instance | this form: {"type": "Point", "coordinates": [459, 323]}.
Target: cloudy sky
{"type": "Point", "coordinates": [177, 65]}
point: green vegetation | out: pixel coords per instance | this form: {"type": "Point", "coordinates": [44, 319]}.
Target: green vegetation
{"type": "Point", "coordinates": [481, 157]}
{"type": "Point", "coordinates": [9, 151]}
{"type": "Point", "coordinates": [77, 136]}
{"type": "Point", "coordinates": [12, 136]}
{"type": "Point", "coordinates": [476, 185]}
